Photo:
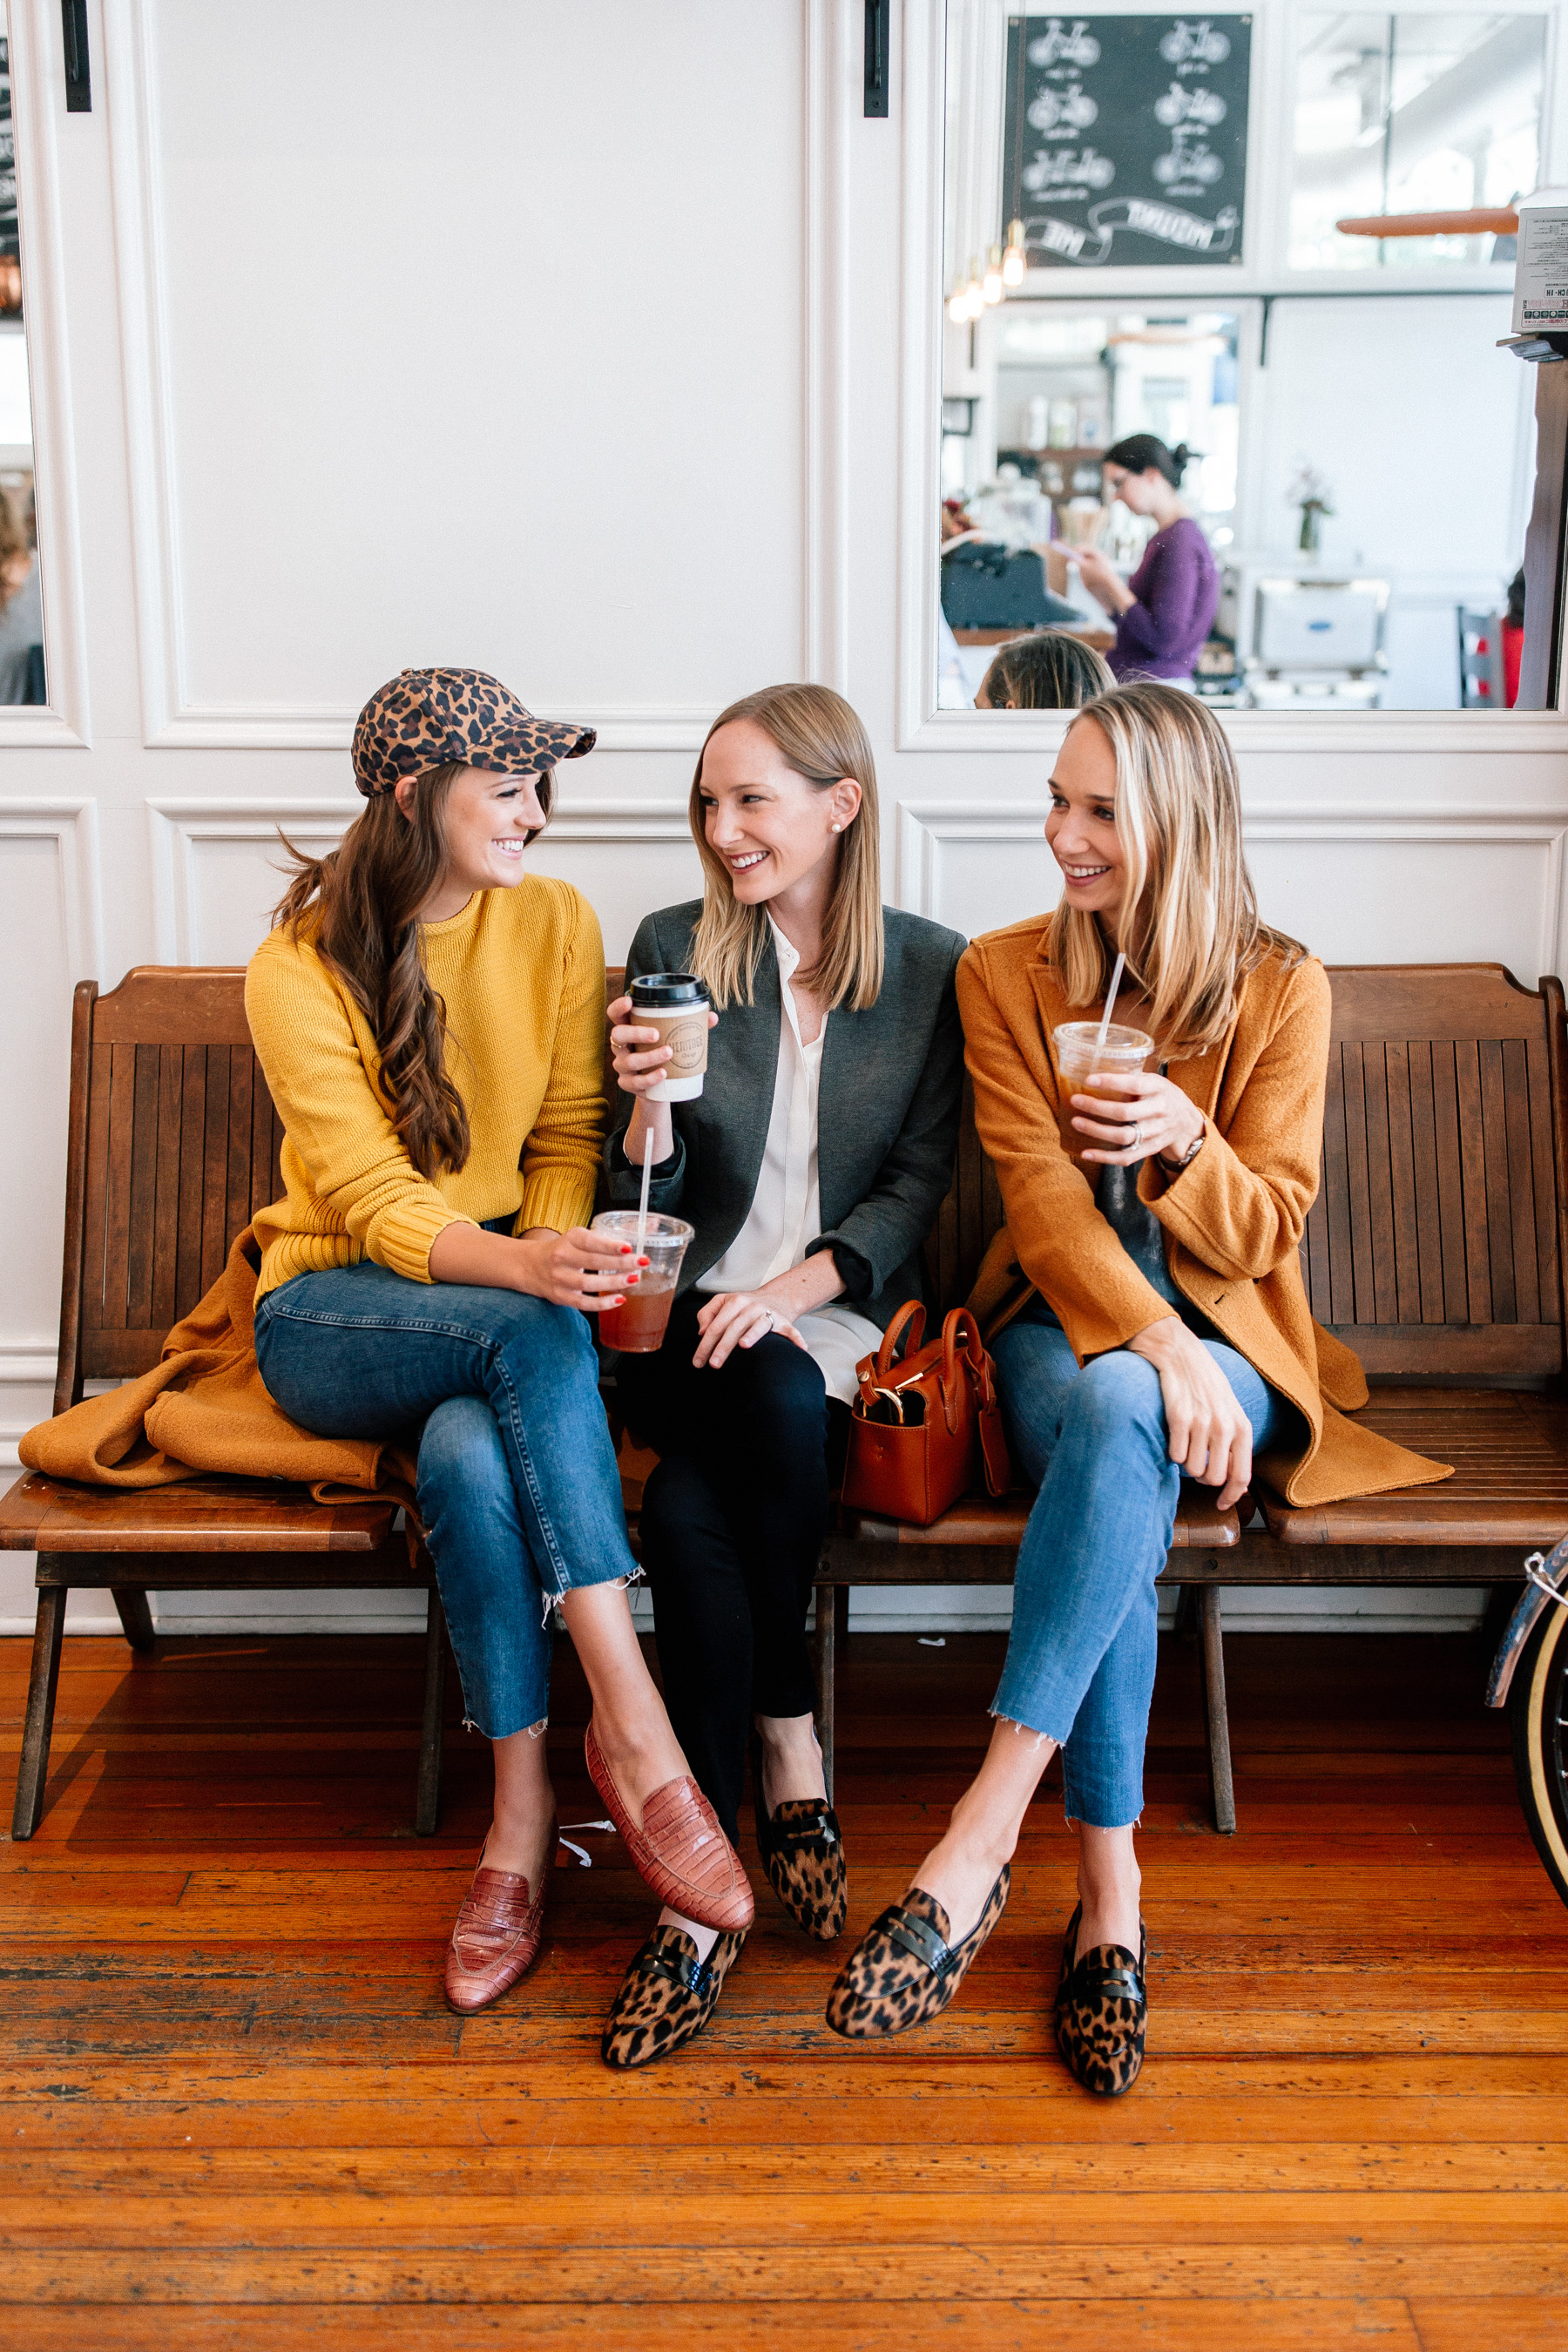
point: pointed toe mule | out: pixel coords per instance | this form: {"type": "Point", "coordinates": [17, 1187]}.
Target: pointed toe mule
{"type": "Point", "coordinates": [666, 1997]}
{"type": "Point", "coordinates": [680, 1853]}
{"type": "Point", "coordinates": [1102, 2011]}
{"type": "Point", "coordinates": [904, 1971]}
{"type": "Point", "coordinates": [497, 1934]}
{"type": "Point", "coordinates": [801, 1849]}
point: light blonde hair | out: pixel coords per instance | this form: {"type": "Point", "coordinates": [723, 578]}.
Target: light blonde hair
{"type": "Point", "coordinates": [815, 733]}
{"type": "Point", "coordinates": [1188, 920]}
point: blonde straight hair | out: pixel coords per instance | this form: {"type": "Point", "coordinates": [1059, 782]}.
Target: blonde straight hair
{"type": "Point", "coordinates": [1189, 921]}
{"type": "Point", "coordinates": [815, 733]}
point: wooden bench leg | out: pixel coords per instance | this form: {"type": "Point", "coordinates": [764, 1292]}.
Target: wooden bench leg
{"type": "Point", "coordinates": [135, 1617]}
{"type": "Point", "coordinates": [1221, 1784]}
{"type": "Point", "coordinates": [39, 1720]}
{"type": "Point", "coordinates": [827, 1647]}
{"type": "Point", "coordinates": [428, 1805]}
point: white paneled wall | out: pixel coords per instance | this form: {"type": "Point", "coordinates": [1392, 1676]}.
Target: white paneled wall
{"type": "Point", "coordinates": [593, 345]}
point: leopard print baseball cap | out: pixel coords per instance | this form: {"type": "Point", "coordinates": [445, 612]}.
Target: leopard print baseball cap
{"type": "Point", "coordinates": [427, 718]}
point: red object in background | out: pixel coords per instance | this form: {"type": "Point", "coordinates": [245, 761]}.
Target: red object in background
{"type": "Point", "coordinates": [1512, 655]}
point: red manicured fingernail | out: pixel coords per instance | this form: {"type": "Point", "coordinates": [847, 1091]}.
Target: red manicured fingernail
{"type": "Point", "coordinates": [631, 1278]}
{"type": "Point", "coordinates": [644, 1261]}
{"type": "Point", "coordinates": [625, 1249]}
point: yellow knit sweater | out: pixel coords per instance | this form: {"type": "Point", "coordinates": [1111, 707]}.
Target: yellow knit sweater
{"type": "Point", "coordinates": [521, 973]}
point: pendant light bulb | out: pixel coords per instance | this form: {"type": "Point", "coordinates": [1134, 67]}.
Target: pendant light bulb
{"type": "Point", "coordinates": [1014, 261]}
{"type": "Point", "coordinates": [991, 286]}
{"type": "Point", "coordinates": [958, 305]}
{"type": "Point", "coordinates": [975, 290]}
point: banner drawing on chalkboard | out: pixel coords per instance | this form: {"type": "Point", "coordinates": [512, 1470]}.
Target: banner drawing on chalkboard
{"type": "Point", "coordinates": [1116, 126]}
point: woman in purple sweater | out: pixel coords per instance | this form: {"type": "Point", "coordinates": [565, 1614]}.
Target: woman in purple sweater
{"type": "Point", "coordinates": [1164, 613]}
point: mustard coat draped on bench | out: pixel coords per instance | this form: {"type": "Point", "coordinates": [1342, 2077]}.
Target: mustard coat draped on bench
{"type": "Point", "coordinates": [1232, 1221]}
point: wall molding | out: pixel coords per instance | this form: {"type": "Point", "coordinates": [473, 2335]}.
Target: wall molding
{"type": "Point", "coordinates": [172, 717]}
{"type": "Point", "coordinates": [831, 76]}
{"type": "Point", "coordinates": [921, 725]}
{"type": "Point", "coordinates": [924, 826]}
{"type": "Point", "coordinates": [177, 828]}
{"type": "Point", "coordinates": [72, 826]}
{"type": "Point", "coordinates": [38, 101]}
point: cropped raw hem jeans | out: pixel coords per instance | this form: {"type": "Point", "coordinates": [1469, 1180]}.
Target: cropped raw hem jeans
{"type": "Point", "coordinates": [517, 1488]}
{"type": "Point", "coordinates": [1081, 1659]}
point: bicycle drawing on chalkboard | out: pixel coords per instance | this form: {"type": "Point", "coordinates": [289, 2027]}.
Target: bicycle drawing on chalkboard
{"type": "Point", "coordinates": [1179, 105]}
{"type": "Point", "coordinates": [1063, 109]}
{"type": "Point", "coordinates": [1194, 45]}
{"type": "Point", "coordinates": [1198, 166]}
{"type": "Point", "coordinates": [1068, 169]}
{"type": "Point", "coordinates": [1057, 47]}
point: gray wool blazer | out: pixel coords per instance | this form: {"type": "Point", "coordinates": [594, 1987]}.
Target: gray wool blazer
{"type": "Point", "coordinates": [887, 1107]}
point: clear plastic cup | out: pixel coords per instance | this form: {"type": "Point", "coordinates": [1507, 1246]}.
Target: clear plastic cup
{"type": "Point", "coordinates": [1125, 1051]}
{"type": "Point", "coordinates": [638, 1327]}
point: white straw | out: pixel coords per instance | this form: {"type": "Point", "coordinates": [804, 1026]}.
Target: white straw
{"type": "Point", "coordinates": [1098, 1042]}
{"type": "Point", "coordinates": [646, 1181]}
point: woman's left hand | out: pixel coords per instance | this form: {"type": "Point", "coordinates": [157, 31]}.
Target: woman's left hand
{"type": "Point", "coordinates": [738, 1318]}
{"type": "Point", "coordinates": [1102, 578]}
{"type": "Point", "coordinates": [1130, 1116]}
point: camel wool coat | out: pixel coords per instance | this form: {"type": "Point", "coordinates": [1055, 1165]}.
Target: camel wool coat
{"type": "Point", "coordinates": [1233, 1221]}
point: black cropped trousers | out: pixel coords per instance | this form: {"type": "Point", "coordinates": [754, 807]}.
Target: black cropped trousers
{"type": "Point", "coordinates": [732, 1523]}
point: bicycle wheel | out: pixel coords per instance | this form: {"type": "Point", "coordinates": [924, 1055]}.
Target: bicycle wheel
{"type": "Point", "coordinates": [1537, 1713]}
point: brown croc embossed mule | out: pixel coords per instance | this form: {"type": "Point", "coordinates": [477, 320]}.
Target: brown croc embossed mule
{"type": "Point", "coordinates": [801, 1849]}
{"type": "Point", "coordinates": [495, 1938]}
{"type": "Point", "coordinates": [1102, 2011]}
{"type": "Point", "coordinates": [680, 1853]}
{"type": "Point", "coordinates": [666, 1997]}
{"type": "Point", "coordinates": [904, 1971]}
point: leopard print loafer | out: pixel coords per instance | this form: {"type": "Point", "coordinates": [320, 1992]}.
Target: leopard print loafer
{"type": "Point", "coordinates": [904, 1970]}
{"type": "Point", "coordinates": [1101, 2012]}
{"type": "Point", "coordinates": [666, 1996]}
{"type": "Point", "coordinates": [801, 1849]}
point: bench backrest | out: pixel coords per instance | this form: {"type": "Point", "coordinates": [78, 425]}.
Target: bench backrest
{"type": "Point", "coordinates": [172, 1146]}
{"type": "Point", "coordinates": [1436, 1248]}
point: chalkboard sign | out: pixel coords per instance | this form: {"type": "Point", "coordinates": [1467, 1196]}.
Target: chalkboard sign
{"type": "Point", "coordinates": [1126, 140]}
{"type": "Point", "coordinates": [8, 240]}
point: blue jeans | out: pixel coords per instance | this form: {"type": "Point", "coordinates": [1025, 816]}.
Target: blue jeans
{"type": "Point", "coordinates": [517, 1488]}
{"type": "Point", "coordinates": [1080, 1658]}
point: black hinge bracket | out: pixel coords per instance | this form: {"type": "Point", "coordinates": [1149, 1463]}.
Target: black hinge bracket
{"type": "Point", "coordinates": [879, 35]}
{"type": "Point", "coordinates": [79, 72]}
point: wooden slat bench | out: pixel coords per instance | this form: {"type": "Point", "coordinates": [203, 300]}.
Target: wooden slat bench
{"type": "Point", "coordinates": [172, 1146]}
{"type": "Point", "coordinates": [1437, 1249]}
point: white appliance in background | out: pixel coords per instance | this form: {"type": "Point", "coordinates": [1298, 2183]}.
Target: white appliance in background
{"type": "Point", "coordinates": [1308, 643]}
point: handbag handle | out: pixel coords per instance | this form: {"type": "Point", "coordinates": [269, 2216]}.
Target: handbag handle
{"type": "Point", "coordinates": [877, 1372]}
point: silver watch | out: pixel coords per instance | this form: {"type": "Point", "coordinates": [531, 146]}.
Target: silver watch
{"type": "Point", "coordinates": [1175, 1167]}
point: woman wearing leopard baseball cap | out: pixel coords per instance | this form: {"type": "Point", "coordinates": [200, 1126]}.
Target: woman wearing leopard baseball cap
{"type": "Point", "coordinates": [430, 1017]}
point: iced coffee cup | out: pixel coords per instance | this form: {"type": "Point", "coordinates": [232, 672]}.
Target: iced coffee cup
{"type": "Point", "coordinates": [676, 1003]}
{"type": "Point", "coordinates": [637, 1325]}
{"type": "Point", "coordinates": [1078, 1055]}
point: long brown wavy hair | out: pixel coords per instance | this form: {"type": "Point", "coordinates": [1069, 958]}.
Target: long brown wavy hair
{"type": "Point", "coordinates": [358, 908]}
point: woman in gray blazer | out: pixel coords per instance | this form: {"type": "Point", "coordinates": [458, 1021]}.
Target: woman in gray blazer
{"type": "Point", "coordinates": [811, 1167]}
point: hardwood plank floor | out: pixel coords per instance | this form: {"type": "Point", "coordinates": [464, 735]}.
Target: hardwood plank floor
{"type": "Point", "coordinates": [235, 2110]}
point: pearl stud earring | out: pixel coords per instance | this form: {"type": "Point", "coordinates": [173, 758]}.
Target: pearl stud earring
{"type": "Point", "coordinates": [835, 828]}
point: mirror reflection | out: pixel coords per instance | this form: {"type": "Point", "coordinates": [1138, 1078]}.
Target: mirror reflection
{"type": "Point", "coordinates": [1281, 462]}
{"type": "Point", "coordinates": [22, 673]}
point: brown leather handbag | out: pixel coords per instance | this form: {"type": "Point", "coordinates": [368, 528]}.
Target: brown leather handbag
{"type": "Point", "coordinates": [922, 1429]}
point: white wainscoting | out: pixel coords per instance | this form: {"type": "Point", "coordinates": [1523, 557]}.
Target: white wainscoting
{"type": "Point", "coordinates": [1364, 883]}
{"type": "Point", "coordinates": [217, 866]}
